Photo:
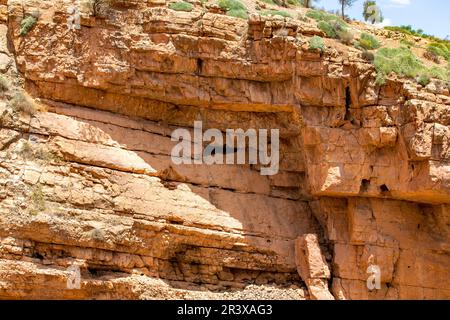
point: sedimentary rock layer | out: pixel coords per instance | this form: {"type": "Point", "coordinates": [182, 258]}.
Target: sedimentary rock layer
{"type": "Point", "coordinates": [364, 170]}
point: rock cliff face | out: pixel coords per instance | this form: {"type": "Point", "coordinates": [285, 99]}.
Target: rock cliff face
{"type": "Point", "coordinates": [364, 170]}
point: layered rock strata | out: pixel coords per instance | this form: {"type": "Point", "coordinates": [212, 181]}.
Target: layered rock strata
{"type": "Point", "coordinates": [364, 170]}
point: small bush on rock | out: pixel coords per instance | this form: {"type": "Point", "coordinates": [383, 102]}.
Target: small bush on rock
{"type": "Point", "coordinates": [327, 28]}
{"type": "Point", "coordinates": [181, 6]}
{"type": "Point", "coordinates": [367, 42]}
{"type": "Point", "coordinates": [324, 16]}
{"type": "Point", "coordinates": [27, 24]}
{"type": "Point", "coordinates": [23, 103]}
{"type": "Point", "coordinates": [316, 15]}
{"type": "Point", "coordinates": [400, 61]}
{"type": "Point", "coordinates": [368, 56]}
{"type": "Point", "coordinates": [234, 8]}
{"type": "Point", "coordinates": [407, 43]}
{"type": "Point", "coordinates": [440, 73]}
{"type": "Point", "coordinates": [440, 49]}
{"type": "Point", "coordinates": [432, 56]}
{"type": "Point", "coordinates": [316, 43]}
{"type": "Point", "coordinates": [332, 25]}
{"type": "Point", "coordinates": [424, 80]}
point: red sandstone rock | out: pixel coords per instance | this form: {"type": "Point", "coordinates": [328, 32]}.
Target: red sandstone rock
{"type": "Point", "coordinates": [364, 171]}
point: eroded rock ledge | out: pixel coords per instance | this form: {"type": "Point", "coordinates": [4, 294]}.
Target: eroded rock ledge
{"type": "Point", "coordinates": [364, 169]}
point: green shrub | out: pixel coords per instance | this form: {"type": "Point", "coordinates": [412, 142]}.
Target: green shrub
{"type": "Point", "coordinates": [316, 43]}
{"type": "Point", "coordinates": [234, 8]}
{"type": "Point", "coordinates": [232, 5]}
{"type": "Point", "coordinates": [23, 103]}
{"type": "Point", "coordinates": [436, 73]}
{"type": "Point", "coordinates": [327, 17]}
{"type": "Point", "coordinates": [316, 15]}
{"type": "Point", "coordinates": [424, 79]}
{"type": "Point", "coordinates": [268, 1]}
{"type": "Point", "coordinates": [439, 73]}
{"type": "Point", "coordinates": [294, 2]}
{"type": "Point", "coordinates": [327, 28]}
{"type": "Point", "coordinates": [431, 55]}
{"type": "Point", "coordinates": [181, 6]}
{"type": "Point", "coordinates": [332, 25]}
{"type": "Point", "coordinates": [380, 79]}
{"type": "Point", "coordinates": [276, 13]}
{"type": "Point", "coordinates": [425, 75]}
{"type": "Point", "coordinates": [402, 29]}
{"type": "Point", "coordinates": [26, 25]}
{"type": "Point", "coordinates": [408, 30]}
{"type": "Point", "coordinates": [407, 43]}
{"type": "Point", "coordinates": [440, 49]}
{"type": "Point", "coordinates": [400, 61]}
{"type": "Point", "coordinates": [367, 42]}
{"type": "Point", "coordinates": [368, 56]}
{"type": "Point", "coordinates": [238, 14]}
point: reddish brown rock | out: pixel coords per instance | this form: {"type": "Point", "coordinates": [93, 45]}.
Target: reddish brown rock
{"type": "Point", "coordinates": [312, 266]}
{"type": "Point", "coordinates": [364, 170]}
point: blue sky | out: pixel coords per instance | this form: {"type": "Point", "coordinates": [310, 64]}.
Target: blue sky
{"type": "Point", "coordinates": [433, 16]}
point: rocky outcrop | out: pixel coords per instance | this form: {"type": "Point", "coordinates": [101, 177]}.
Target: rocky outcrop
{"type": "Point", "coordinates": [312, 266]}
{"type": "Point", "coordinates": [364, 170]}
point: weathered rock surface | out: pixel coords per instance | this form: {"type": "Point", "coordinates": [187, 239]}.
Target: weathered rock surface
{"type": "Point", "coordinates": [312, 266]}
{"type": "Point", "coordinates": [364, 170]}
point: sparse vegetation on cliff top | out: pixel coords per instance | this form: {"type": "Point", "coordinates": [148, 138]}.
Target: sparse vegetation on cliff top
{"type": "Point", "coordinates": [400, 61]}
{"type": "Point", "coordinates": [324, 16]}
{"type": "Point", "coordinates": [440, 49]}
{"type": "Point", "coordinates": [403, 62]}
{"type": "Point", "coordinates": [276, 13]}
{"type": "Point", "coordinates": [332, 25]}
{"type": "Point", "coordinates": [234, 8]}
{"type": "Point", "coordinates": [409, 30]}
{"type": "Point", "coordinates": [181, 6]}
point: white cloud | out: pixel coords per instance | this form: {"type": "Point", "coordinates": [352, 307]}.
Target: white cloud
{"type": "Point", "coordinates": [400, 3]}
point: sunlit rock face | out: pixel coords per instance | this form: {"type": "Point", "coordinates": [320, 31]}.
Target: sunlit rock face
{"type": "Point", "coordinates": [364, 173]}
